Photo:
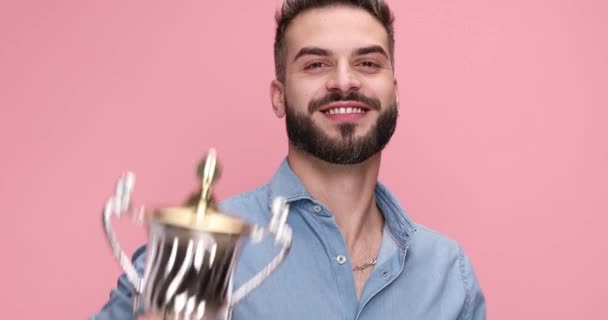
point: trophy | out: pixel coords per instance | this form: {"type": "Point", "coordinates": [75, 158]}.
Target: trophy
{"type": "Point", "coordinates": [192, 251]}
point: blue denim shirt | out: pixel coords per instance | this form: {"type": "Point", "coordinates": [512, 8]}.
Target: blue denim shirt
{"type": "Point", "coordinates": [419, 274]}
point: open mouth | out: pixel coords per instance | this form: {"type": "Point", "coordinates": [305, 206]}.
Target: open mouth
{"type": "Point", "coordinates": [342, 113]}
{"type": "Point", "coordinates": [345, 108]}
{"type": "Point", "coordinates": [342, 110]}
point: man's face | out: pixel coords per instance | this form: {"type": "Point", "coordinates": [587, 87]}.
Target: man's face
{"type": "Point", "coordinates": [339, 91]}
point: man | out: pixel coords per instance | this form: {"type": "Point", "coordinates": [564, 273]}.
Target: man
{"type": "Point", "coordinates": [355, 254]}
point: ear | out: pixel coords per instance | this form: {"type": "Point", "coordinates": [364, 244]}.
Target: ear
{"type": "Point", "coordinates": [277, 97]}
{"type": "Point", "coordinates": [396, 94]}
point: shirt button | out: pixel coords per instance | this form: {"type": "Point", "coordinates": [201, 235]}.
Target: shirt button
{"type": "Point", "coordinates": [341, 259]}
{"type": "Point", "coordinates": [317, 208]}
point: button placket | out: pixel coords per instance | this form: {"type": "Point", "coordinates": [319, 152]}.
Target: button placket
{"type": "Point", "coordinates": [337, 255]}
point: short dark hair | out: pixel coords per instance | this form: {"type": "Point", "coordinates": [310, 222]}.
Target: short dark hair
{"type": "Point", "coordinates": [292, 8]}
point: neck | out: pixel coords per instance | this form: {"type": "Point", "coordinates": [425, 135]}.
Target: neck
{"type": "Point", "coordinates": [348, 191]}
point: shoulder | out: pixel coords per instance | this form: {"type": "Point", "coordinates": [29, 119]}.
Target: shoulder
{"type": "Point", "coordinates": [439, 250]}
{"type": "Point", "coordinates": [441, 256]}
{"type": "Point", "coordinates": [433, 238]}
{"type": "Point", "coordinates": [435, 247]}
{"type": "Point", "coordinates": [251, 205]}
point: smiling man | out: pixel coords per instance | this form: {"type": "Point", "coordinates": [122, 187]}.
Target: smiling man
{"type": "Point", "coordinates": [356, 254]}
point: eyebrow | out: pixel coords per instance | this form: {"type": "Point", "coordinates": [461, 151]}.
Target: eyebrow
{"type": "Point", "coordinates": [370, 49]}
{"type": "Point", "coordinates": [313, 51]}
{"type": "Point", "coordinates": [316, 51]}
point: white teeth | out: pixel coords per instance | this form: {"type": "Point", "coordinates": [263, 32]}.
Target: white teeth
{"type": "Point", "coordinates": [344, 110]}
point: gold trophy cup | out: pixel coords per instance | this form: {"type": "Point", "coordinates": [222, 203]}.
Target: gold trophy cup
{"type": "Point", "coordinates": [192, 251]}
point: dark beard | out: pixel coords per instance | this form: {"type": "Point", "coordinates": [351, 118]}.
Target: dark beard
{"type": "Point", "coordinates": [305, 135]}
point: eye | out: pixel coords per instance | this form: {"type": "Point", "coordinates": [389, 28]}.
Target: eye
{"type": "Point", "coordinates": [369, 64]}
{"type": "Point", "coordinates": [315, 65]}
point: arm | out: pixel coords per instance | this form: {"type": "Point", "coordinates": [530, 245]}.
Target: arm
{"type": "Point", "coordinates": [475, 304]}
{"type": "Point", "coordinates": [120, 304]}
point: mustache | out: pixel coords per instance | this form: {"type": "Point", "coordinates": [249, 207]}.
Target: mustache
{"type": "Point", "coordinates": [315, 105]}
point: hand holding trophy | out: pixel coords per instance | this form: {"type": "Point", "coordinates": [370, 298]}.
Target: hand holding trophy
{"type": "Point", "coordinates": [192, 251]}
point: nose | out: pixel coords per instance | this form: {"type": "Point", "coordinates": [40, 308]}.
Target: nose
{"type": "Point", "coordinates": [343, 79]}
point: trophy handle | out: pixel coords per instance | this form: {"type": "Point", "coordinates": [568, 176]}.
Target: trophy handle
{"type": "Point", "coordinates": [117, 205]}
{"type": "Point", "coordinates": [282, 235]}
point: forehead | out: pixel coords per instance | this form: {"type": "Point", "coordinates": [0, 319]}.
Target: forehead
{"type": "Point", "coordinates": [336, 28]}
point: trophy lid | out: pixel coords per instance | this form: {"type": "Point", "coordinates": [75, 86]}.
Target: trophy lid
{"type": "Point", "coordinates": [200, 212]}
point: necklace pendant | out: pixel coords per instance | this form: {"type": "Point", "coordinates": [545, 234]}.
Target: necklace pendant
{"type": "Point", "coordinates": [365, 265]}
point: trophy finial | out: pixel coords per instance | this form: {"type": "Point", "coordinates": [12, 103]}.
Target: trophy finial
{"type": "Point", "coordinates": [208, 176]}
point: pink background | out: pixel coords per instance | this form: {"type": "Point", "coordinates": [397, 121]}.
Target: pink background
{"type": "Point", "coordinates": [501, 143]}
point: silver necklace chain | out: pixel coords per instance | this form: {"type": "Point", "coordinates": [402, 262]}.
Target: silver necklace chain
{"type": "Point", "coordinates": [365, 265]}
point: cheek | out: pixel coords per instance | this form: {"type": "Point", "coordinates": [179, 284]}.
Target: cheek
{"type": "Point", "coordinates": [294, 98]}
{"type": "Point", "coordinates": [385, 90]}
{"type": "Point", "coordinates": [299, 96]}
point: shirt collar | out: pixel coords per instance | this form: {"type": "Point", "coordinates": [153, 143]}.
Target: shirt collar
{"type": "Point", "coordinates": [400, 225]}
{"type": "Point", "coordinates": [286, 184]}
